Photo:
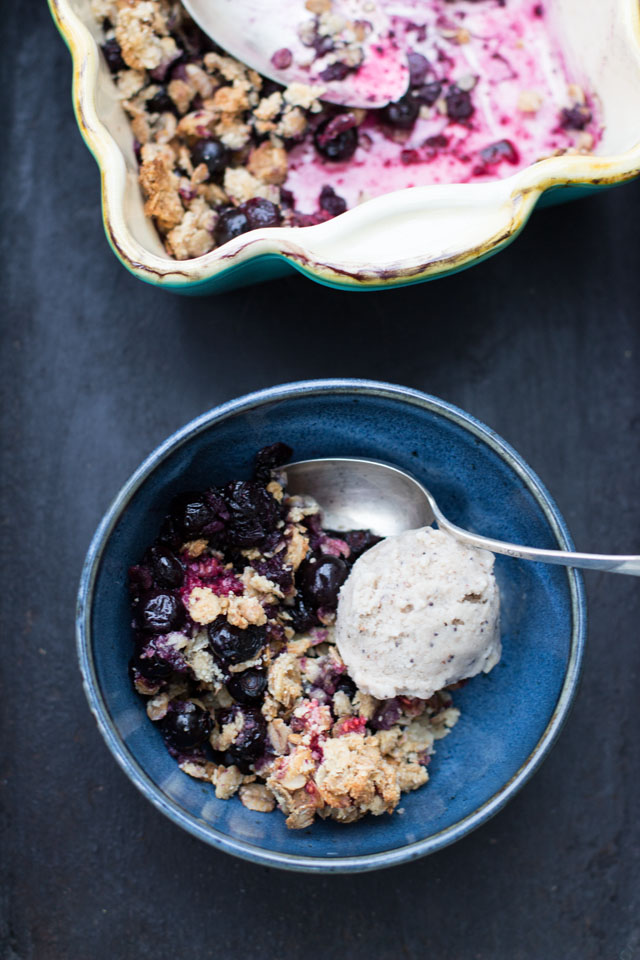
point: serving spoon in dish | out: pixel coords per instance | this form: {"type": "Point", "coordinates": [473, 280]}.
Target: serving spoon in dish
{"type": "Point", "coordinates": [347, 47]}
{"type": "Point", "coordinates": [358, 494]}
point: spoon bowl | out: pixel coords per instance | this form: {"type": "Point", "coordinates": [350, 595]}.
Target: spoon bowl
{"type": "Point", "coordinates": [370, 494]}
{"type": "Point", "coordinates": [281, 41]}
{"type": "Point", "coordinates": [358, 494]}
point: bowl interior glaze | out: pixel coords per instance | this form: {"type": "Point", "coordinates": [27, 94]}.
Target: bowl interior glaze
{"type": "Point", "coordinates": [479, 484]}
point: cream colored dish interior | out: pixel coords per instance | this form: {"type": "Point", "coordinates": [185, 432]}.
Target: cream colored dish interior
{"type": "Point", "coordinates": [423, 230]}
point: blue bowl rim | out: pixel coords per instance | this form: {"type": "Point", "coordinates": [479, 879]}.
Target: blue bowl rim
{"type": "Point", "coordinates": [244, 849]}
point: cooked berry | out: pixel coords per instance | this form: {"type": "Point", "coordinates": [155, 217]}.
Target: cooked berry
{"type": "Point", "coordinates": [274, 568]}
{"type": "Point", "coordinates": [575, 118]}
{"type": "Point", "coordinates": [386, 715]}
{"type": "Point", "coordinates": [231, 223]}
{"type": "Point", "coordinates": [213, 154]}
{"type": "Point", "coordinates": [186, 725]}
{"type": "Point", "coordinates": [150, 666]}
{"type": "Point", "coordinates": [336, 71]}
{"type": "Point", "coordinates": [251, 740]}
{"type": "Point", "coordinates": [302, 616]}
{"type": "Point", "coordinates": [428, 93]}
{"type": "Point", "coordinates": [418, 66]}
{"type": "Point", "coordinates": [160, 102]}
{"type": "Point", "coordinates": [346, 685]}
{"type": "Point", "coordinates": [499, 151]}
{"type": "Point", "coordinates": [156, 651]}
{"type": "Point", "coordinates": [261, 213]}
{"type": "Point", "coordinates": [331, 202]}
{"type": "Point", "coordinates": [459, 106]}
{"type": "Point", "coordinates": [248, 686]}
{"type": "Point", "coordinates": [166, 567]}
{"type": "Point", "coordinates": [192, 513]}
{"type": "Point", "coordinates": [340, 146]}
{"type": "Point", "coordinates": [267, 459]}
{"type": "Point", "coordinates": [161, 612]}
{"type": "Point", "coordinates": [320, 580]}
{"type": "Point", "coordinates": [233, 645]}
{"type": "Point", "coordinates": [282, 59]}
{"type": "Point", "coordinates": [113, 55]}
{"type": "Point", "coordinates": [402, 114]}
{"type": "Point", "coordinates": [254, 513]}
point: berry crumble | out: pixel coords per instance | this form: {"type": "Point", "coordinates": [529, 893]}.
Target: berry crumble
{"type": "Point", "coordinates": [222, 150]}
{"type": "Point", "coordinates": [233, 621]}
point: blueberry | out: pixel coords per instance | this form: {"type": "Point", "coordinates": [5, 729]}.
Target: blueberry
{"type": "Point", "coordinates": [346, 685]}
{"type": "Point", "coordinates": [213, 154]}
{"type": "Point", "coordinates": [185, 725]}
{"type": "Point", "coordinates": [161, 612]}
{"type": "Point", "coordinates": [254, 513]}
{"type": "Point", "coordinates": [418, 66]}
{"type": "Point", "coordinates": [282, 58]}
{"type": "Point", "coordinates": [273, 568]}
{"type": "Point", "coordinates": [388, 713]}
{"type": "Point", "coordinates": [303, 618]}
{"type": "Point", "coordinates": [191, 513]}
{"type": "Point", "coordinates": [150, 666]}
{"type": "Point", "coordinates": [166, 567]}
{"type": "Point", "coordinates": [459, 106]}
{"type": "Point", "coordinates": [428, 93]}
{"type": "Point", "coordinates": [248, 686]}
{"type": "Point", "coordinates": [261, 213]}
{"type": "Point", "coordinates": [157, 658]}
{"type": "Point", "coordinates": [331, 202]}
{"type": "Point", "coordinates": [267, 459]}
{"type": "Point", "coordinates": [160, 102]}
{"type": "Point", "coordinates": [497, 152]}
{"type": "Point", "coordinates": [401, 114]}
{"type": "Point", "coordinates": [250, 741]}
{"type": "Point", "coordinates": [342, 146]}
{"type": "Point", "coordinates": [113, 55]}
{"type": "Point", "coordinates": [575, 118]}
{"type": "Point", "coordinates": [336, 71]}
{"type": "Point", "coordinates": [231, 223]}
{"type": "Point", "coordinates": [320, 580]}
{"type": "Point", "coordinates": [233, 645]}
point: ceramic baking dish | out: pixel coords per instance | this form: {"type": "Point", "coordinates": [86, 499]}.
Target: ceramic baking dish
{"type": "Point", "coordinates": [399, 238]}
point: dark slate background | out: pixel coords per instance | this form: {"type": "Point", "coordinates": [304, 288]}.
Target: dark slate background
{"type": "Point", "coordinates": [542, 343]}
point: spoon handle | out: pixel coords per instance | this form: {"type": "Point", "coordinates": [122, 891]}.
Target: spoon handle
{"type": "Point", "coordinates": [584, 561]}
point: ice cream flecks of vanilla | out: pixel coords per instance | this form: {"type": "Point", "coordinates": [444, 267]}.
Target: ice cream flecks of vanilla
{"type": "Point", "coordinates": [419, 612]}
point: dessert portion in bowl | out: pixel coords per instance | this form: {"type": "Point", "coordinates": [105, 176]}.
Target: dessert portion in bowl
{"type": "Point", "coordinates": [257, 686]}
{"type": "Point", "coordinates": [223, 150]}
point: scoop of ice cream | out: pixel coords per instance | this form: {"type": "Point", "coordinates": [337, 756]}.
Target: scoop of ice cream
{"type": "Point", "coordinates": [418, 612]}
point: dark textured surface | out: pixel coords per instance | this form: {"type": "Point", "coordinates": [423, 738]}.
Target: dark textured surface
{"type": "Point", "coordinates": [542, 343]}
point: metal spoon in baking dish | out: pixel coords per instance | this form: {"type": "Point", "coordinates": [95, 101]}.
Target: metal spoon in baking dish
{"type": "Point", "coordinates": [346, 46]}
{"type": "Point", "coordinates": [359, 494]}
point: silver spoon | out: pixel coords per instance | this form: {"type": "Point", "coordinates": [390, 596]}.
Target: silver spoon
{"type": "Point", "coordinates": [358, 494]}
{"type": "Point", "coordinates": [278, 40]}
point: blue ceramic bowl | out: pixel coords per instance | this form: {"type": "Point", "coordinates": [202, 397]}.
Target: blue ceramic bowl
{"type": "Point", "coordinates": [510, 718]}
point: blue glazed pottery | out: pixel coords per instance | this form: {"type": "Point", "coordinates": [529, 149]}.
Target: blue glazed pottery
{"type": "Point", "coordinates": [510, 717]}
